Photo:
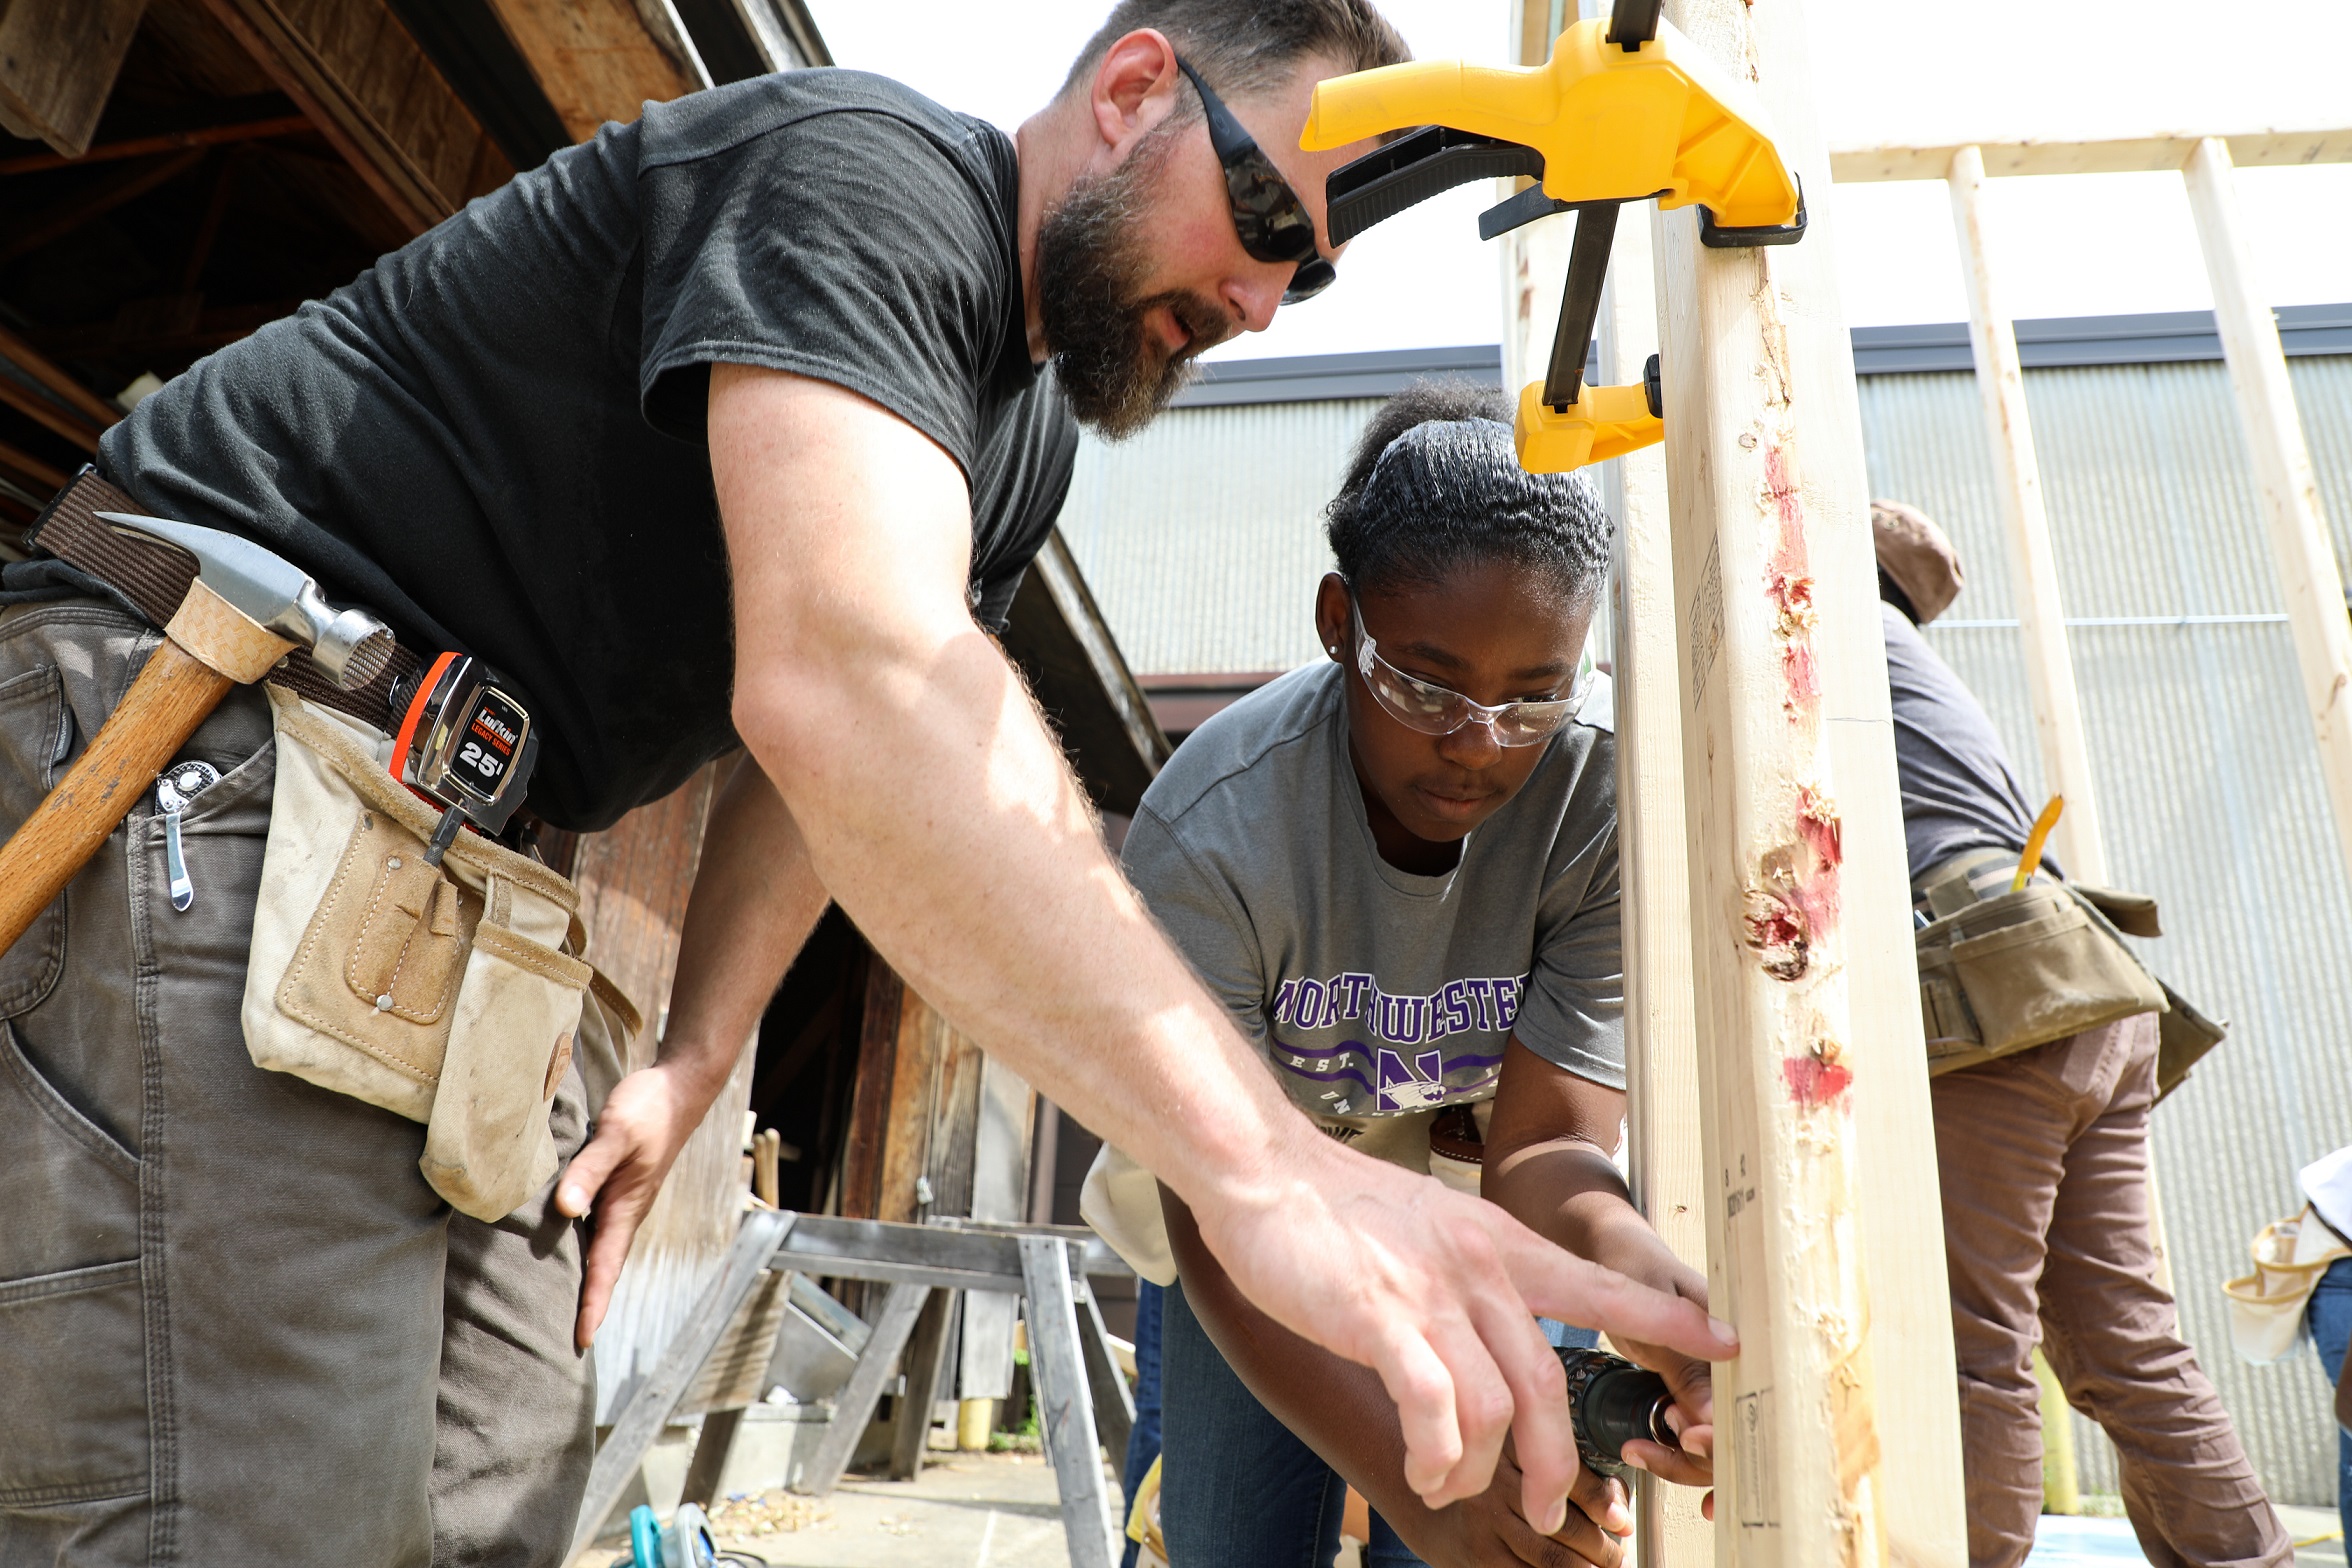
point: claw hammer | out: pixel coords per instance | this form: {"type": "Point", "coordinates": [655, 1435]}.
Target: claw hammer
{"type": "Point", "coordinates": [246, 610]}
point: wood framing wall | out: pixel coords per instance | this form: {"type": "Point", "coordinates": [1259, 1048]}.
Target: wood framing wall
{"type": "Point", "coordinates": [1825, 1235]}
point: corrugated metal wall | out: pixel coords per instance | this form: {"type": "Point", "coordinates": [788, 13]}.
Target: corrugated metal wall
{"type": "Point", "coordinates": [1202, 540]}
{"type": "Point", "coordinates": [2209, 787]}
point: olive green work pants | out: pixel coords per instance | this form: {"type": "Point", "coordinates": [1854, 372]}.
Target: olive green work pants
{"type": "Point", "coordinates": [236, 1326]}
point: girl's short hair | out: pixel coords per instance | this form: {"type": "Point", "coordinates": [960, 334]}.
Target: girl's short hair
{"type": "Point", "coordinates": [1435, 485]}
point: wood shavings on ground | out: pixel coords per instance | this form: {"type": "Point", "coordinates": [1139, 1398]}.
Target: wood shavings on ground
{"type": "Point", "coordinates": [768, 1513]}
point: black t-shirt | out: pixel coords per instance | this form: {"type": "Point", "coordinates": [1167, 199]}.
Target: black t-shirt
{"type": "Point", "coordinates": [1959, 791]}
{"type": "Point", "coordinates": [494, 436]}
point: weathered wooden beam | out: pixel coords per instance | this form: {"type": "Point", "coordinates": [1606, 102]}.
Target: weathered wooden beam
{"type": "Point", "coordinates": [94, 200]}
{"type": "Point", "coordinates": [2117, 155]}
{"type": "Point", "coordinates": [146, 329]}
{"type": "Point", "coordinates": [168, 141]}
{"type": "Point", "coordinates": [60, 384]}
{"type": "Point", "coordinates": [1057, 635]}
{"type": "Point", "coordinates": [2017, 489]}
{"type": "Point", "coordinates": [362, 80]}
{"type": "Point", "coordinates": [635, 879]}
{"type": "Point", "coordinates": [597, 60]}
{"type": "Point", "coordinates": [1825, 1236]}
{"type": "Point", "coordinates": [31, 467]}
{"type": "Point", "coordinates": [54, 400]}
{"type": "Point", "coordinates": [2310, 582]}
{"type": "Point", "coordinates": [58, 62]}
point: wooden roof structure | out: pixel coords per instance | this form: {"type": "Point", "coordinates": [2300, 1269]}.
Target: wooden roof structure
{"type": "Point", "coordinates": [178, 172]}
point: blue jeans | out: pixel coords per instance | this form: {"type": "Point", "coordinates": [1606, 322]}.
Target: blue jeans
{"type": "Point", "coordinates": [2331, 1329]}
{"type": "Point", "coordinates": [1143, 1444]}
{"type": "Point", "coordinates": [1239, 1489]}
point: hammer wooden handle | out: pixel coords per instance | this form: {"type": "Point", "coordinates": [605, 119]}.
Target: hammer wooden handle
{"type": "Point", "coordinates": [175, 692]}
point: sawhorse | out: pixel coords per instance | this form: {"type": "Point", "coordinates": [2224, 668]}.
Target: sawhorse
{"type": "Point", "coordinates": [1081, 1400]}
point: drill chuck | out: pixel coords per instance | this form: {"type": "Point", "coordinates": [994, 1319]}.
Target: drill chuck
{"type": "Point", "coordinates": [1612, 1402]}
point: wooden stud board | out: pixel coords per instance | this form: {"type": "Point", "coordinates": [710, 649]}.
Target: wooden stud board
{"type": "Point", "coordinates": [2115, 155]}
{"type": "Point", "coordinates": [2310, 582]}
{"type": "Point", "coordinates": [1664, 1102]}
{"type": "Point", "coordinates": [595, 59]}
{"type": "Point", "coordinates": [2077, 843]}
{"type": "Point", "coordinates": [58, 62]}
{"type": "Point", "coordinates": [1825, 1234]}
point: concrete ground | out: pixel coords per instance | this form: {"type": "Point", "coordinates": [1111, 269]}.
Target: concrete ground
{"type": "Point", "coordinates": [966, 1511]}
{"type": "Point", "coordinates": [1001, 1511]}
{"type": "Point", "coordinates": [2102, 1543]}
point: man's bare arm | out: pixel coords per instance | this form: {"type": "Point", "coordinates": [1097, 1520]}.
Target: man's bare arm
{"type": "Point", "coordinates": [755, 898]}
{"type": "Point", "coordinates": [1339, 1410]}
{"type": "Point", "coordinates": [941, 815]}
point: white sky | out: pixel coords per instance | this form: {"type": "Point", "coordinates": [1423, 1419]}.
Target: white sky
{"type": "Point", "coordinates": [1891, 72]}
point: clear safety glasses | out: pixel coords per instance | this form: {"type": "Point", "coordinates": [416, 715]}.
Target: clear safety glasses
{"type": "Point", "coordinates": [1436, 710]}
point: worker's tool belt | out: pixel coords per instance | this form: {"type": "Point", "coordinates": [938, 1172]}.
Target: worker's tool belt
{"type": "Point", "coordinates": [2001, 972]}
{"type": "Point", "coordinates": [449, 994]}
{"type": "Point", "coordinates": [2266, 1307]}
{"type": "Point", "coordinates": [452, 994]}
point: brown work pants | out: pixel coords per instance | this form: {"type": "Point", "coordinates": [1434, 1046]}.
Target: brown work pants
{"type": "Point", "coordinates": [236, 1327]}
{"type": "Point", "coordinates": [2044, 1159]}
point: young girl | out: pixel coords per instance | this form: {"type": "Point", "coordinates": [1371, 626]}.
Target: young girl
{"type": "Point", "coordinates": [1399, 870]}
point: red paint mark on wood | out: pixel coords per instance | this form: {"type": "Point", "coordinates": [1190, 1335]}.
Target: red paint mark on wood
{"type": "Point", "coordinates": [1816, 1079]}
{"type": "Point", "coordinates": [1824, 829]}
{"type": "Point", "coordinates": [1788, 582]}
{"type": "Point", "coordinates": [1781, 933]}
{"type": "Point", "coordinates": [1802, 681]}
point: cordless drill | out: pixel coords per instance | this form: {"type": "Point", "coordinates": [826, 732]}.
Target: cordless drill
{"type": "Point", "coordinates": [1612, 1402]}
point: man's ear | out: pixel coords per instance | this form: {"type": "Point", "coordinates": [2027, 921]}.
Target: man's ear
{"type": "Point", "coordinates": [1331, 616]}
{"type": "Point", "coordinates": [1134, 89]}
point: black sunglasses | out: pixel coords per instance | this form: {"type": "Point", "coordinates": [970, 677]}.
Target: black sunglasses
{"type": "Point", "coordinates": [1267, 214]}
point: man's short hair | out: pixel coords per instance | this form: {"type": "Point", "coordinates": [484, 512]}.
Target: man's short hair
{"type": "Point", "coordinates": [1241, 47]}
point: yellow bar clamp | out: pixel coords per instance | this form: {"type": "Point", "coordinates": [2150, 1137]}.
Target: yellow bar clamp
{"type": "Point", "coordinates": [1602, 423]}
{"type": "Point", "coordinates": [1612, 124]}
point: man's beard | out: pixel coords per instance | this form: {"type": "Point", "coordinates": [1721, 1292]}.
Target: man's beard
{"type": "Point", "coordinates": [1090, 266]}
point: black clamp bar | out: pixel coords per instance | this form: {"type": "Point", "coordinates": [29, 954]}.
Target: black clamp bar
{"type": "Point", "coordinates": [1411, 169]}
{"type": "Point", "coordinates": [1580, 302]}
{"type": "Point", "coordinates": [1633, 23]}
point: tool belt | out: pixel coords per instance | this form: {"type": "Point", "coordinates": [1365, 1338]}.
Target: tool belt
{"type": "Point", "coordinates": [2003, 971]}
{"type": "Point", "coordinates": [453, 994]}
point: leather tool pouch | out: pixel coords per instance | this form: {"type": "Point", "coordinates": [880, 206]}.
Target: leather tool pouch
{"type": "Point", "coordinates": [2022, 969]}
{"type": "Point", "coordinates": [450, 995]}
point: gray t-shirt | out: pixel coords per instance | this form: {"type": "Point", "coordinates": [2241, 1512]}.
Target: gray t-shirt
{"type": "Point", "coordinates": [1959, 791]}
{"type": "Point", "coordinates": [1380, 996]}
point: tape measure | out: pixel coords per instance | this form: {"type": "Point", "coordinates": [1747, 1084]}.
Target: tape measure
{"type": "Point", "coordinates": [466, 745]}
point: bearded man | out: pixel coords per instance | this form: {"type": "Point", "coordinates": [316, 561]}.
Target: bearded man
{"type": "Point", "coordinates": [732, 427]}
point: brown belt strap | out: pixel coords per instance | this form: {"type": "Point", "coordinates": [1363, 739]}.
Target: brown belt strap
{"type": "Point", "coordinates": [155, 576]}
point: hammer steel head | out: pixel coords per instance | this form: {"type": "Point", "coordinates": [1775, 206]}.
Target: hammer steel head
{"type": "Point", "coordinates": [351, 646]}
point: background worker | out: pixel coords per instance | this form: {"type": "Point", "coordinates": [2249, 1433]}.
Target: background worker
{"type": "Point", "coordinates": [2326, 1184]}
{"type": "Point", "coordinates": [2043, 1162]}
{"type": "Point", "coordinates": [1409, 903]}
{"type": "Point", "coordinates": [728, 427]}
